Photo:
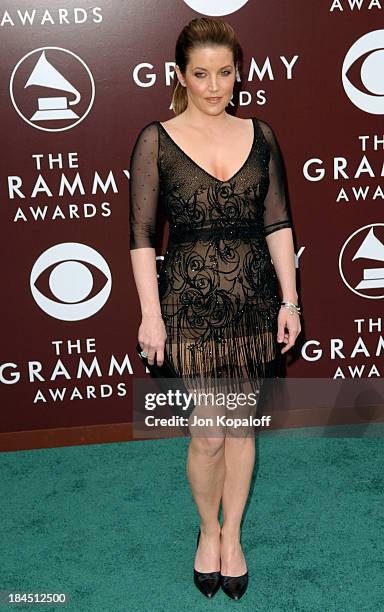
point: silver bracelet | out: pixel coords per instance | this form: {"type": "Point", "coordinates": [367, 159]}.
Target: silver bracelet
{"type": "Point", "coordinates": [293, 308]}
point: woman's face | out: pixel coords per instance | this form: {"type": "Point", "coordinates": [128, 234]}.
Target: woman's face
{"type": "Point", "coordinates": [209, 78]}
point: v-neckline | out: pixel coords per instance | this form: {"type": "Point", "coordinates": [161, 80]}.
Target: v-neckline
{"type": "Point", "coordinates": [203, 169]}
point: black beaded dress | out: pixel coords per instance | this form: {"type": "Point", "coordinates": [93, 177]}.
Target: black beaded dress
{"type": "Point", "coordinates": [218, 288]}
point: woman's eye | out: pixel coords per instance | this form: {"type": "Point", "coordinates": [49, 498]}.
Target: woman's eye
{"type": "Point", "coordinates": [224, 72]}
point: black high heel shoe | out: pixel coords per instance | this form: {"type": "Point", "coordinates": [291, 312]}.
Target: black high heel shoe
{"type": "Point", "coordinates": [234, 586]}
{"type": "Point", "coordinates": [207, 582]}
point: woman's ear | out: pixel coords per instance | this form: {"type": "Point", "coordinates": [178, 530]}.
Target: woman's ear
{"type": "Point", "coordinates": [179, 75]}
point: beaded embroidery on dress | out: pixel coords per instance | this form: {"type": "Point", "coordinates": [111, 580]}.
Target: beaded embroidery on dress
{"type": "Point", "coordinates": [217, 284]}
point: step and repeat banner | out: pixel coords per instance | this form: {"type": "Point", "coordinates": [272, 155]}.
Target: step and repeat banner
{"type": "Point", "coordinates": [79, 81]}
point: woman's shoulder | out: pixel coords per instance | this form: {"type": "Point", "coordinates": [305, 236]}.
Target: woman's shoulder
{"type": "Point", "coordinates": [147, 133]}
{"type": "Point", "coordinates": [265, 126]}
{"type": "Point", "coordinates": [267, 129]}
{"type": "Point", "coordinates": [146, 140]}
{"type": "Point", "coordinates": [149, 127]}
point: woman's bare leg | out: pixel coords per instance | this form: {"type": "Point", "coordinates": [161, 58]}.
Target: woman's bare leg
{"type": "Point", "coordinates": [206, 471]}
{"type": "Point", "coordinates": [239, 454]}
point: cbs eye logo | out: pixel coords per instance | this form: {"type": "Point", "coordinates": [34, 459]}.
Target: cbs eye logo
{"type": "Point", "coordinates": [70, 281]}
{"type": "Point", "coordinates": [215, 7]}
{"type": "Point", "coordinates": [371, 46]}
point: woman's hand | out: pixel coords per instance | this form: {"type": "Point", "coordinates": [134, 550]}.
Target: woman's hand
{"type": "Point", "coordinates": [291, 322]}
{"type": "Point", "coordinates": [152, 337]}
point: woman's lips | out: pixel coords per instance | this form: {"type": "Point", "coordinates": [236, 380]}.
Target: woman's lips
{"type": "Point", "coordinates": [213, 100]}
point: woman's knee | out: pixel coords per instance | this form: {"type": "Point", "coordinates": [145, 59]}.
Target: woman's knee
{"type": "Point", "coordinates": [208, 446]}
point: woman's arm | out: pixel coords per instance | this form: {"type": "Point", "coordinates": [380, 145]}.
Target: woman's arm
{"type": "Point", "coordinates": [282, 251]}
{"type": "Point", "coordinates": [278, 234]}
{"type": "Point", "coordinates": [143, 200]}
{"type": "Point", "coordinates": [145, 274]}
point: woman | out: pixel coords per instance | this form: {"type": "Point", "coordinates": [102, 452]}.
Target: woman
{"type": "Point", "coordinates": [214, 310]}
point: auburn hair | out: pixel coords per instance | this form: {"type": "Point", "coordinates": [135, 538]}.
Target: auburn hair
{"type": "Point", "coordinates": [200, 32]}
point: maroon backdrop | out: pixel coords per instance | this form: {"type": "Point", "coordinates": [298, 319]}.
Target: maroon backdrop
{"type": "Point", "coordinates": [79, 82]}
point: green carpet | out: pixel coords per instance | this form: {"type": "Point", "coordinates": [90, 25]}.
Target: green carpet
{"type": "Point", "coordinates": [115, 525]}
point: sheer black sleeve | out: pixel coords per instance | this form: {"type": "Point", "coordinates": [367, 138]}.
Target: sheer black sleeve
{"type": "Point", "coordinates": [144, 188]}
{"type": "Point", "coordinates": [276, 213]}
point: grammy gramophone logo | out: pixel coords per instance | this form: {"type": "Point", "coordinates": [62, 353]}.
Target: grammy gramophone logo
{"type": "Point", "coordinates": [52, 89]}
{"type": "Point", "coordinates": [361, 261]}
